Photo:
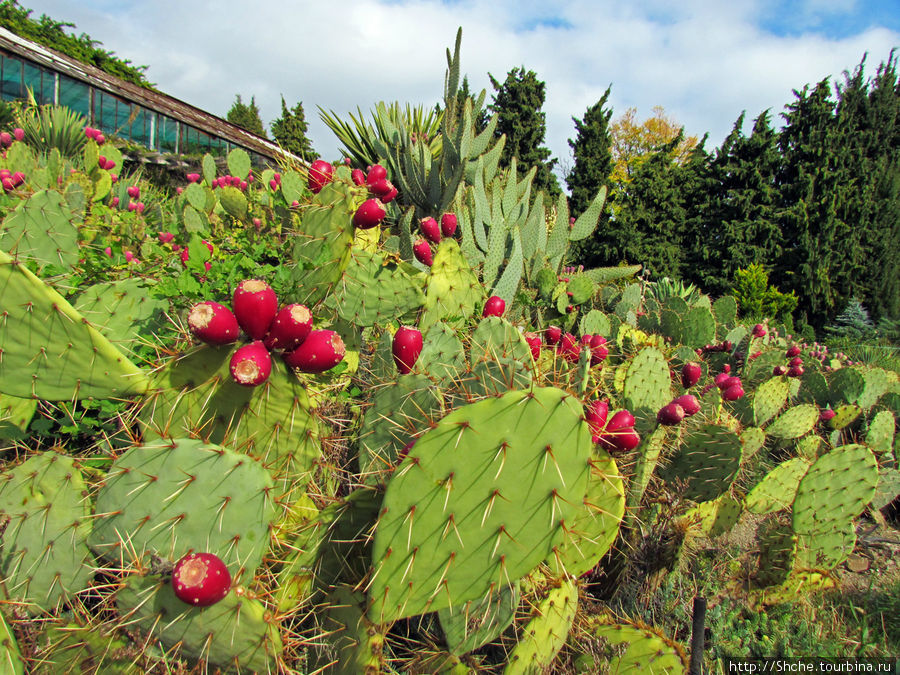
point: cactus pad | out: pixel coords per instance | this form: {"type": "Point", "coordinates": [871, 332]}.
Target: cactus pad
{"type": "Point", "coordinates": [769, 399]}
{"type": "Point", "coordinates": [460, 514]}
{"type": "Point", "coordinates": [647, 386]}
{"type": "Point", "coordinates": [442, 359]}
{"type": "Point", "coordinates": [645, 650]}
{"type": "Point", "coordinates": [794, 422]}
{"type": "Point", "coordinates": [880, 434]}
{"type": "Point", "coordinates": [353, 645]}
{"type": "Point", "coordinates": [45, 558]}
{"type": "Point", "coordinates": [546, 633]}
{"type": "Point", "coordinates": [705, 463]}
{"type": "Point", "coordinates": [453, 289]}
{"type": "Point", "coordinates": [121, 310]}
{"type": "Point", "coordinates": [876, 383]}
{"type": "Point", "coordinates": [500, 359]}
{"type": "Point", "coordinates": [42, 229]}
{"type": "Point", "coordinates": [779, 487]}
{"type": "Point", "coordinates": [373, 290]}
{"type": "Point", "coordinates": [172, 497]}
{"type": "Point", "coordinates": [474, 624]}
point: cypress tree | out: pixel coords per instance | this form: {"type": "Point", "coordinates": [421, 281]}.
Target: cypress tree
{"type": "Point", "coordinates": [593, 156]}
{"type": "Point", "coordinates": [518, 102]}
{"type": "Point", "coordinates": [289, 131]}
{"type": "Point", "coordinates": [246, 116]}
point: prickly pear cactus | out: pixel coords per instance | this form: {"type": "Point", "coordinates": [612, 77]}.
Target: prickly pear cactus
{"type": "Point", "coordinates": [42, 229]}
{"type": "Point", "coordinates": [459, 516]}
{"type": "Point", "coordinates": [474, 624]}
{"type": "Point", "coordinates": [645, 650]}
{"type": "Point", "coordinates": [546, 633]}
{"type": "Point", "coordinates": [453, 291]}
{"type": "Point", "coordinates": [706, 463]}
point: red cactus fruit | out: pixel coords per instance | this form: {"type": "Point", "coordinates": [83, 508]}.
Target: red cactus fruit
{"type": "Point", "coordinates": [375, 174]}
{"type": "Point", "coordinates": [422, 251]}
{"type": "Point", "coordinates": [779, 370]}
{"type": "Point", "coordinates": [621, 420]}
{"type": "Point", "coordinates": [730, 382]}
{"type": "Point", "coordinates": [721, 379]}
{"type": "Point", "coordinates": [448, 224]}
{"type": "Point", "coordinates": [553, 335]}
{"type": "Point", "coordinates": [690, 374]}
{"type": "Point", "coordinates": [598, 353]}
{"type": "Point", "coordinates": [390, 195]}
{"type": "Point", "coordinates": [379, 187]}
{"type": "Point", "coordinates": [733, 393]}
{"type": "Point", "coordinates": [689, 404]}
{"type": "Point", "coordinates": [251, 364]}
{"type": "Point", "coordinates": [322, 350]}
{"type": "Point", "coordinates": [255, 307]}
{"type": "Point", "coordinates": [759, 330]}
{"type": "Point", "coordinates": [369, 214]}
{"type": "Point", "coordinates": [625, 440]}
{"type": "Point", "coordinates": [405, 450]}
{"type": "Point", "coordinates": [430, 229]}
{"type": "Point", "coordinates": [670, 414]}
{"type": "Point", "coordinates": [792, 351]}
{"type": "Point", "coordinates": [291, 326]}
{"type": "Point", "coordinates": [359, 178]}
{"type": "Point", "coordinates": [213, 323]}
{"type": "Point", "coordinates": [795, 371]}
{"type": "Point", "coordinates": [494, 306]}
{"type": "Point", "coordinates": [19, 134]}
{"type": "Point", "coordinates": [406, 347]}
{"type": "Point", "coordinates": [200, 579]}
{"type": "Point", "coordinates": [826, 415]}
{"type": "Point", "coordinates": [796, 361]}
{"type": "Point", "coordinates": [533, 340]}
{"type": "Point", "coordinates": [320, 175]}
{"type": "Point", "coordinates": [596, 414]}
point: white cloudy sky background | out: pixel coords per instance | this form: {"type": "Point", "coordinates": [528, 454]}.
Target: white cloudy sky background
{"type": "Point", "coordinates": [704, 61]}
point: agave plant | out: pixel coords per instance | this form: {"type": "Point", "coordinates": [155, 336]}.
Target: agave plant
{"type": "Point", "coordinates": [392, 124]}
{"type": "Point", "coordinates": [667, 288]}
{"type": "Point", "coordinates": [53, 126]}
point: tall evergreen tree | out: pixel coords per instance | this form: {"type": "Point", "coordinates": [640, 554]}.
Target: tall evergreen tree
{"type": "Point", "coordinates": [289, 131]}
{"type": "Point", "coordinates": [518, 102]}
{"type": "Point", "coordinates": [593, 157]}
{"type": "Point", "coordinates": [246, 116]}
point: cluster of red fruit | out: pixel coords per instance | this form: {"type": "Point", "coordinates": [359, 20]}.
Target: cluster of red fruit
{"type": "Point", "coordinates": [432, 233]}
{"type": "Point", "coordinates": [10, 181]}
{"type": "Point", "coordinates": [7, 139]}
{"type": "Point", "coordinates": [724, 346]}
{"type": "Point", "coordinates": [568, 346]}
{"type": "Point", "coordinates": [96, 135]}
{"type": "Point", "coordinates": [680, 407]}
{"type": "Point", "coordinates": [795, 365]}
{"type": "Point", "coordinates": [288, 331]}
{"type": "Point", "coordinates": [615, 433]}
{"type": "Point", "coordinates": [225, 181]}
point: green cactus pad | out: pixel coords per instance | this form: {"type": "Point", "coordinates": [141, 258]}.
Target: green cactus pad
{"type": "Point", "coordinates": [639, 649]}
{"type": "Point", "coordinates": [825, 549]}
{"type": "Point", "coordinates": [238, 163]}
{"type": "Point", "coordinates": [809, 446]}
{"type": "Point", "coordinates": [888, 488]}
{"type": "Point", "coordinates": [545, 281]}
{"type": "Point", "coordinates": [845, 386]}
{"type": "Point", "coordinates": [323, 239]}
{"type": "Point", "coordinates": [233, 201]}
{"type": "Point", "coordinates": [798, 584]}
{"type": "Point", "coordinates": [596, 524]}
{"type": "Point", "coordinates": [71, 648]}
{"type": "Point", "coordinates": [476, 623]}
{"type": "Point", "coordinates": [752, 439]}
{"type": "Point", "coordinates": [42, 229]}
{"type": "Point", "coordinates": [546, 633]}
{"type": "Point", "coordinates": [776, 551]}
{"type": "Point", "coordinates": [453, 290]}
{"type": "Point", "coordinates": [835, 490]}
{"type": "Point", "coordinates": [705, 463]}
{"type": "Point", "coordinates": [442, 359]}
{"type": "Point", "coordinates": [604, 275]}
{"type": "Point", "coordinates": [45, 558]}
{"type": "Point", "coordinates": [794, 422]}
{"type": "Point", "coordinates": [647, 386]}
{"type": "Point", "coordinates": [10, 656]}
{"type": "Point", "coordinates": [373, 290]}
{"type": "Point", "coordinates": [716, 517]}
{"type": "Point", "coordinates": [172, 497]}
{"type": "Point", "coordinates": [500, 359]}
{"type": "Point", "coordinates": [352, 644]}
{"type": "Point", "coordinates": [399, 413]}
{"type": "Point", "coordinates": [236, 633]}
{"type": "Point", "coordinates": [778, 488]}
{"type": "Point", "coordinates": [844, 416]}
{"type": "Point", "coordinates": [880, 434]}
{"type": "Point", "coordinates": [194, 394]}
{"type": "Point", "coordinates": [769, 399]}
{"type": "Point", "coordinates": [876, 383]}
{"type": "Point", "coordinates": [50, 351]}
{"type": "Point", "coordinates": [581, 288]}
{"type": "Point", "coordinates": [725, 309]}
{"type": "Point", "coordinates": [698, 327]}
{"type": "Point", "coordinates": [460, 514]}
{"type": "Point", "coordinates": [649, 451]}
{"type": "Point", "coordinates": [814, 388]}
{"type": "Point", "coordinates": [15, 416]}
{"type": "Point", "coordinates": [595, 322]}
{"type": "Point", "coordinates": [121, 310]}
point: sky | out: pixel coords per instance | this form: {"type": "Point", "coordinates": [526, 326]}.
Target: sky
{"type": "Point", "coordinates": [703, 61]}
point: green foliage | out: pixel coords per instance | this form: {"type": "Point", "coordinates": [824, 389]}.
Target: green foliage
{"type": "Point", "coordinates": [51, 126]}
{"type": "Point", "coordinates": [757, 299]}
{"type": "Point", "coordinates": [593, 158]}
{"type": "Point", "coordinates": [52, 33]}
{"type": "Point", "coordinates": [290, 129]}
{"type": "Point", "coordinates": [246, 116]}
{"type": "Point", "coordinates": [853, 322]}
{"type": "Point", "coordinates": [518, 102]}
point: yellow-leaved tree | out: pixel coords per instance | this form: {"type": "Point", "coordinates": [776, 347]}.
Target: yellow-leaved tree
{"type": "Point", "coordinates": [633, 141]}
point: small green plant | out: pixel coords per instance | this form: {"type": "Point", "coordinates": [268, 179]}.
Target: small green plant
{"type": "Point", "coordinates": [52, 126]}
{"type": "Point", "coordinates": [757, 299]}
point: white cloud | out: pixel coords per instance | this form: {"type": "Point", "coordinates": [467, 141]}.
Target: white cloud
{"type": "Point", "coordinates": [702, 60]}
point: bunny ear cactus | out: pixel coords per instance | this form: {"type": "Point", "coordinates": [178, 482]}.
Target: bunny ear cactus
{"type": "Point", "coordinates": [460, 516]}
{"type": "Point", "coordinates": [45, 558]}
{"type": "Point", "coordinates": [42, 229]}
{"type": "Point", "coordinates": [50, 351]}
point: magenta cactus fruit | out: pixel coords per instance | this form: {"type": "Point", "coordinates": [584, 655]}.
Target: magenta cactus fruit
{"type": "Point", "coordinates": [690, 374]}
{"type": "Point", "coordinates": [721, 379]}
{"type": "Point", "coordinates": [759, 330]}
{"type": "Point", "coordinates": [733, 393]}
{"type": "Point", "coordinates": [533, 340]}
{"type": "Point", "coordinates": [251, 364]}
{"type": "Point", "coordinates": [406, 347]}
{"type": "Point", "coordinates": [358, 177]}
{"type": "Point", "coordinates": [369, 214]}
{"type": "Point", "coordinates": [792, 351]}
{"type": "Point", "coordinates": [494, 306]}
{"type": "Point", "coordinates": [213, 323]}
{"type": "Point", "coordinates": [598, 353]}
{"type": "Point", "coordinates": [596, 414]}
{"type": "Point", "coordinates": [553, 335]}
{"type": "Point", "coordinates": [796, 361]}
{"type": "Point", "coordinates": [255, 306]}
{"type": "Point", "coordinates": [795, 371]}
{"type": "Point", "coordinates": [670, 414]}
{"type": "Point", "coordinates": [448, 224]}
{"type": "Point", "coordinates": [200, 579]}
{"type": "Point", "coordinates": [826, 415]}
{"type": "Point", "coordinates": [390, 195]}
{"type": "Point", "coordinates": [322, 350]}
{"type": "Point", "coordinates": [779, 370]}
{"type": "Point", "coordinates": [689, 404]}
{"type": "Point", "coordinates": [430, 229]}
{"type": "Point", "coordinates": [19, 134]}
{"type": "Point", "coordinates": [375, 174]}
{"type": "Point", "coordinates": [291, 326]}
{"type": "Point", "coordinates": [320, 175]}
{"type": "Point", "coordinates": [422, 251]}
{"type": "Point", "coordinates": [623, 419]}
